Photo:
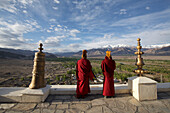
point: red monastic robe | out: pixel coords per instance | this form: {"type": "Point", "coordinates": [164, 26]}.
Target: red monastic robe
{"type": "Point", "coordinates": [83, 74]}
{"type": "Point", "coordinates": [108, 66]}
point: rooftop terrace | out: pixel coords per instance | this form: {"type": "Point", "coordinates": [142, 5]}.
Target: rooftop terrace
{"type": "Point", "coordinates": [61, 99]}
{"type": "Point", "coordinates": [122, 103]}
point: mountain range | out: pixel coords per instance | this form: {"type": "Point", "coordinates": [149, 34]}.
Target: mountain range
{"type": "Point", "coordinates": [115, 51]}
{"type": "Point", "coordinates": [20, 54]}
{"type": "Point", "coordinates": [123, 50]}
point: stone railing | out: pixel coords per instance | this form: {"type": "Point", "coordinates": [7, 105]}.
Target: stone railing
{"type": "Point", "coordinates": [23, 94]}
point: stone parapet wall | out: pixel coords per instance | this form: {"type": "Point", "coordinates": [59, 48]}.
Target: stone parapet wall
{"type": "Point", "coordinates": [15, 94]}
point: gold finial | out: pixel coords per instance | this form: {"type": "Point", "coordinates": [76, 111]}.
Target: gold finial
{"type": "Point", "coordinates": [138, 41]}
{"type": "Point", "coordinates": [139, 60]}
{"type": "Point", "coordinates": [40, 47]}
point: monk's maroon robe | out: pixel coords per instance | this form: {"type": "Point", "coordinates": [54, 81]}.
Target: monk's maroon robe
{"type": "Point", "coordinates": [83, 74]}
{"type": "Point", "coordinates": [108, 66]}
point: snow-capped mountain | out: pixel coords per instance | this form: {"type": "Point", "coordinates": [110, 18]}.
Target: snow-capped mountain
{"type": "Point", "coordinates": [156, 46]}
{"type": "Point", "coordinates": [115, 50]}
{"type": "Point", "coordinates": [115, 46]}
{"type": "Point", "coordinates": [124, 50]}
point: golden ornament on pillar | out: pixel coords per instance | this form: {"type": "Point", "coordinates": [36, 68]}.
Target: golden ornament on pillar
{"type": "Point", "coordinates": [38, 70]}
{"type": "Point", "coordinates": [139, 60]}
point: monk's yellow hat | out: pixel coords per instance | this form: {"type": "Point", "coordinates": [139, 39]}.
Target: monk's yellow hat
{"type": "Point", "coordinates": [84, 52]}
{"type": "Point", "coordinates": [108, 54]}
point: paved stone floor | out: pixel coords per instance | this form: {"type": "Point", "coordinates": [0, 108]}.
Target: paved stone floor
{"type": "Point", "coordinates": [124, 103]}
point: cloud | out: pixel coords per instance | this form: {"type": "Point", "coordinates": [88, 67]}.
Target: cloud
{"type": "Point", "coordinates": [108, 36]}
{"type": "Point", "coordinates": [24, 11]}
{"type": "Point", "coordinates": [73, 32]}
{"type": "Point", "coordinates": [53, 41]}
{"type": "Point", "coordinates": [39, 9]}
{"type": "Point", "coordinates": [63, 35]}
{"type": "Point", "coordinates": [89, 22]}
{"type": "Point", "coordinates": [48, 31]}
{"type": "Point", "coordinates": [33, 23]}
{"type": "Point", "coordinates": [75, 2]}
{"type": "Point", "coordinates": [56, 1]}
{"type": "Point", "coordinates": [63, 30]}
{"type": "Point", "coordinates": [99, 42]}
{"type": "Point", "coordinates": [26, 2]}
{"type": "Point", "coordinates": [91, 15]}
{"type": "Point", "coordinates": [123, 11]}
{"type": "Point", "coordinates": [89, 10]}
{"type": "Point", "coordinates": [147, 8]}
{"type": "Point", "coordinates": [11, 5]}
{"type": "Point", "coordinates": [59, 25]}
{"type": "Point", "coordinates": [75, 38]}
{"type": "Point", "coordinates": [8, 5]}
{"type": "Point", "coordinates": [55, 8]}
{"type": "Point", "coordinates": [52, 20]}
{"type": "Point", "coordinates": [148, 37]}
{"type": "Point", "coordinates": [74, 45]}
{"type": "Point", "coordinates": [64, 48]}
{"type": "Point", "coordinates": [59, 30]}
{"type": "Point", "coordinates": [88, 15]}
{"type": "Point", "coordinates": [151, 37]}
{"type": "Point", "coordinates": [15, 28]}
{"type": "Point", "coordinates": [107, 1]}
{"type": "Point", "coordinates": [11, 34]}
{"type": "Point", "coordinates": [141, 20]}
{"type": "Point", "coordinates": [51, 27]}
{"type": "Point", "coordinates": [165, 25]}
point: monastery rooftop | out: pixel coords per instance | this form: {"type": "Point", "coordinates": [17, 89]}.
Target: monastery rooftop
{"type": "Point", "coordinates": [61, 99]}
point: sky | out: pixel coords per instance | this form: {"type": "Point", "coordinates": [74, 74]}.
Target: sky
{"type": "Point", "coordinates": [73, 25]}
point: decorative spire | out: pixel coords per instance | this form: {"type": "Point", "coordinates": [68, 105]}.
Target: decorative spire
{"type": "Point", "coordinates": [40, 49]}
{"type": "Point", "coordinates": [139, 60]}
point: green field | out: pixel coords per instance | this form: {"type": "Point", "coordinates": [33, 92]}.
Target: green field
{"type": "Point", "coordinates": [18, 72]}
{"type": "Point", "coordinates": [157, 69]}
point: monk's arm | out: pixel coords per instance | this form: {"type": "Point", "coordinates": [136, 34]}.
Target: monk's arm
{"type": "Point", "coordinates": [103, 67]}
{"type": "Point", "coordinates": [92, 76]}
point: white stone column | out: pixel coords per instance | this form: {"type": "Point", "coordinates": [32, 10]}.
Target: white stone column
{"type": "Point", "coordinates": [144, 88]}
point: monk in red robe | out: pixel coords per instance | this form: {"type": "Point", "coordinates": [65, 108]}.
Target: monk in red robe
{"type": "Point", "coordinates": [83, 74]}
{"type": "Point", "coordinates": [108, 66]}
